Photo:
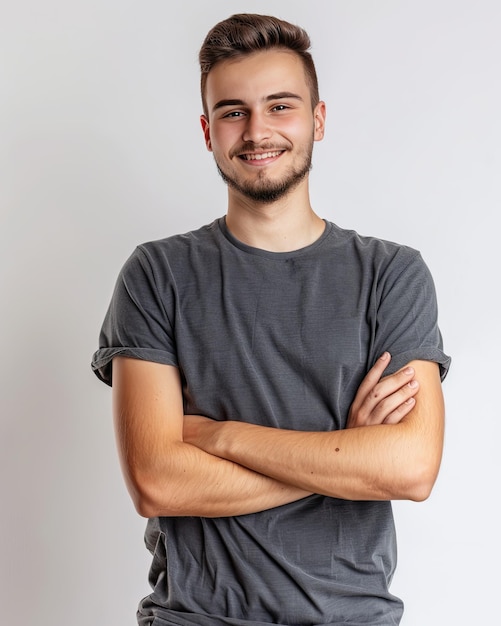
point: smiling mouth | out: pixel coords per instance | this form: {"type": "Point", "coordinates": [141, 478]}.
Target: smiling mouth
{"type": "Point", "coordinates": [261, 156]}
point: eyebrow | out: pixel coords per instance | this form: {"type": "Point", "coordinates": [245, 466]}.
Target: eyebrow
{"type": "Point", "coordinates": [281, 95]}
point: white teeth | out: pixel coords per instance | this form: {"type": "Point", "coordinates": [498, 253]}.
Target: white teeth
{"type": "Point", "coordinates": [259, 157]}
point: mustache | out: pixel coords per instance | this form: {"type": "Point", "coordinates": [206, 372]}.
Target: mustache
{"type": "Point", "coordinates": [250, 146]}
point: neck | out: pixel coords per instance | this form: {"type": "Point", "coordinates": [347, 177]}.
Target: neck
{"type": "Point", "coordinates": [282, 226]}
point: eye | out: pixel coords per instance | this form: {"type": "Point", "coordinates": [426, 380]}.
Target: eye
{"type": "Point", "coordinates": [234, 114]}
{"type": "Point", "coordinates": [280, 107]}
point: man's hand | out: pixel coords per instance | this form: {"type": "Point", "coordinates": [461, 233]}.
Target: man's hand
{"type": "Point", "coordinates": [383, 400]}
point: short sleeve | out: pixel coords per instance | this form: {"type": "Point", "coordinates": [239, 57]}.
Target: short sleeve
{"type": "Point", "coordinates": [407, 315]}
{"type": "Point", "coordinates": [138, 322]}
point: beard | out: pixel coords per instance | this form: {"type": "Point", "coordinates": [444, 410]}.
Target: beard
{"type": "Point", "coordinates": [263, 189]}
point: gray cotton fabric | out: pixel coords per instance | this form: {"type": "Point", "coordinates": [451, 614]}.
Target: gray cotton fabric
{"type": "Point", "coordinates": [282, 340]}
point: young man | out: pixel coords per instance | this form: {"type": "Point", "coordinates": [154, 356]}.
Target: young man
{"type": "Point", "coordinates": [263, 426]}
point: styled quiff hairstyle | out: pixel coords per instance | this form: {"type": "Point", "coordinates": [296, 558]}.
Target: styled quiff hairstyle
{"type": "Point", "coordinates": [245, 33]}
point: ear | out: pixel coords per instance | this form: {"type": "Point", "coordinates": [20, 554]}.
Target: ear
{"type": "Point", "coordinates": [206, 130]}
{"type": "Point", "coordinates": [319, 114]}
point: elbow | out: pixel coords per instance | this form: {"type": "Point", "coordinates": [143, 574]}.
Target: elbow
{"type": "Point", "coordinates": [149, 499]}
{"type": "Point", "coordinates": [157, 497]}
{"type": "Point", "coordinates": [145, 507]}
{"type": "Point", "coordinates": [157, 490]}
{"type": "Point", "coordinates": [420, 492]}
{"type": "Point", "coordinates": [417, 467]}
{"type": "Point", "coordinates": [419, 482]}
{"type": "Point", "coordinates": [148, 506]}
{"type": "Point", "coordinates": [142, 499]}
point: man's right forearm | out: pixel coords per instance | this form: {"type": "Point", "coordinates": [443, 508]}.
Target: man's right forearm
{"type": "Point", "coordinates": [167, 476]}
{"type": "Point", "coordinates": [193, 483]}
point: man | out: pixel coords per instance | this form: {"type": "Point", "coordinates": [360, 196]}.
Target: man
{"type": "Point", "coordinates": [276, 379]}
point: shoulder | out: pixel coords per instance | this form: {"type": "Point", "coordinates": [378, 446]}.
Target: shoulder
{"type": "Point", "coordinates": [202, 237]}
{"type": "Point", "coordinates": [175, 251]}
{"type": "Point", "coordinates": [371, 250]}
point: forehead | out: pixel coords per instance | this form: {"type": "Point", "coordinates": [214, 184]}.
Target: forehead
{"type": "Point", "coordinates": [256, 76]}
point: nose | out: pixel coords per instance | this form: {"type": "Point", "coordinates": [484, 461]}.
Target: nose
{"type": "Point", "coordinates": [257, 128]}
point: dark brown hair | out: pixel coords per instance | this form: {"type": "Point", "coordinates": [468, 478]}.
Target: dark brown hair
{"type": "Point", "coordinates": [245, 33]}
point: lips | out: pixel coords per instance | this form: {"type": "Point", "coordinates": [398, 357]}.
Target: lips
{"type": "Point", "coordinates": [261, 155]}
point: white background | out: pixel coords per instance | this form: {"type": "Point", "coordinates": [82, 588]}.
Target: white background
{"type": "Point", "coordinates": [101, 149]}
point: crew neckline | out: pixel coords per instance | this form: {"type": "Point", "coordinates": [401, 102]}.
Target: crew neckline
{"type": "Point", "coordinates": [268, 253]}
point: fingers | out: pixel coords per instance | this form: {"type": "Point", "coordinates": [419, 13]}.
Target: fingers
{"type": "Point", "coordinates": [400, 412]}
{"type": "Point", "coordinates": [384, 400]}
{"type": "Point", "coordinates": [393, 408]}
{"type": "Point", "coordinates": [374, 375]}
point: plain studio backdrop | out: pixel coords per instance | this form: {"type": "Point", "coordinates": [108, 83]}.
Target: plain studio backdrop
{"type": "Point", "coordinates": [101, 149]}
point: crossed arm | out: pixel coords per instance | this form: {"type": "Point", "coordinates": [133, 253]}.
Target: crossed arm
{"type": "Point", "coordinates": [176, 464]}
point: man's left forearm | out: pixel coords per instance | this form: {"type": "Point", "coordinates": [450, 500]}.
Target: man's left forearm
{"type": "Point", "coordinates": [355, 464]}
{"type": "Point", "coordinates": [374, 462]}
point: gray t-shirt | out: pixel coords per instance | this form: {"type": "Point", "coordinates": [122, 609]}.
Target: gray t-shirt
{"type": "Point", "coordinates": [282, 340]}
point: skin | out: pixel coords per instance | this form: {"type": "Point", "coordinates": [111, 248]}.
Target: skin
{"type": "Point", "coordinates": [256, 124]}
{"type": "Point", "coordinates": [386, 460]}
{"type": "Point", "coordinates": [176, 464]}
